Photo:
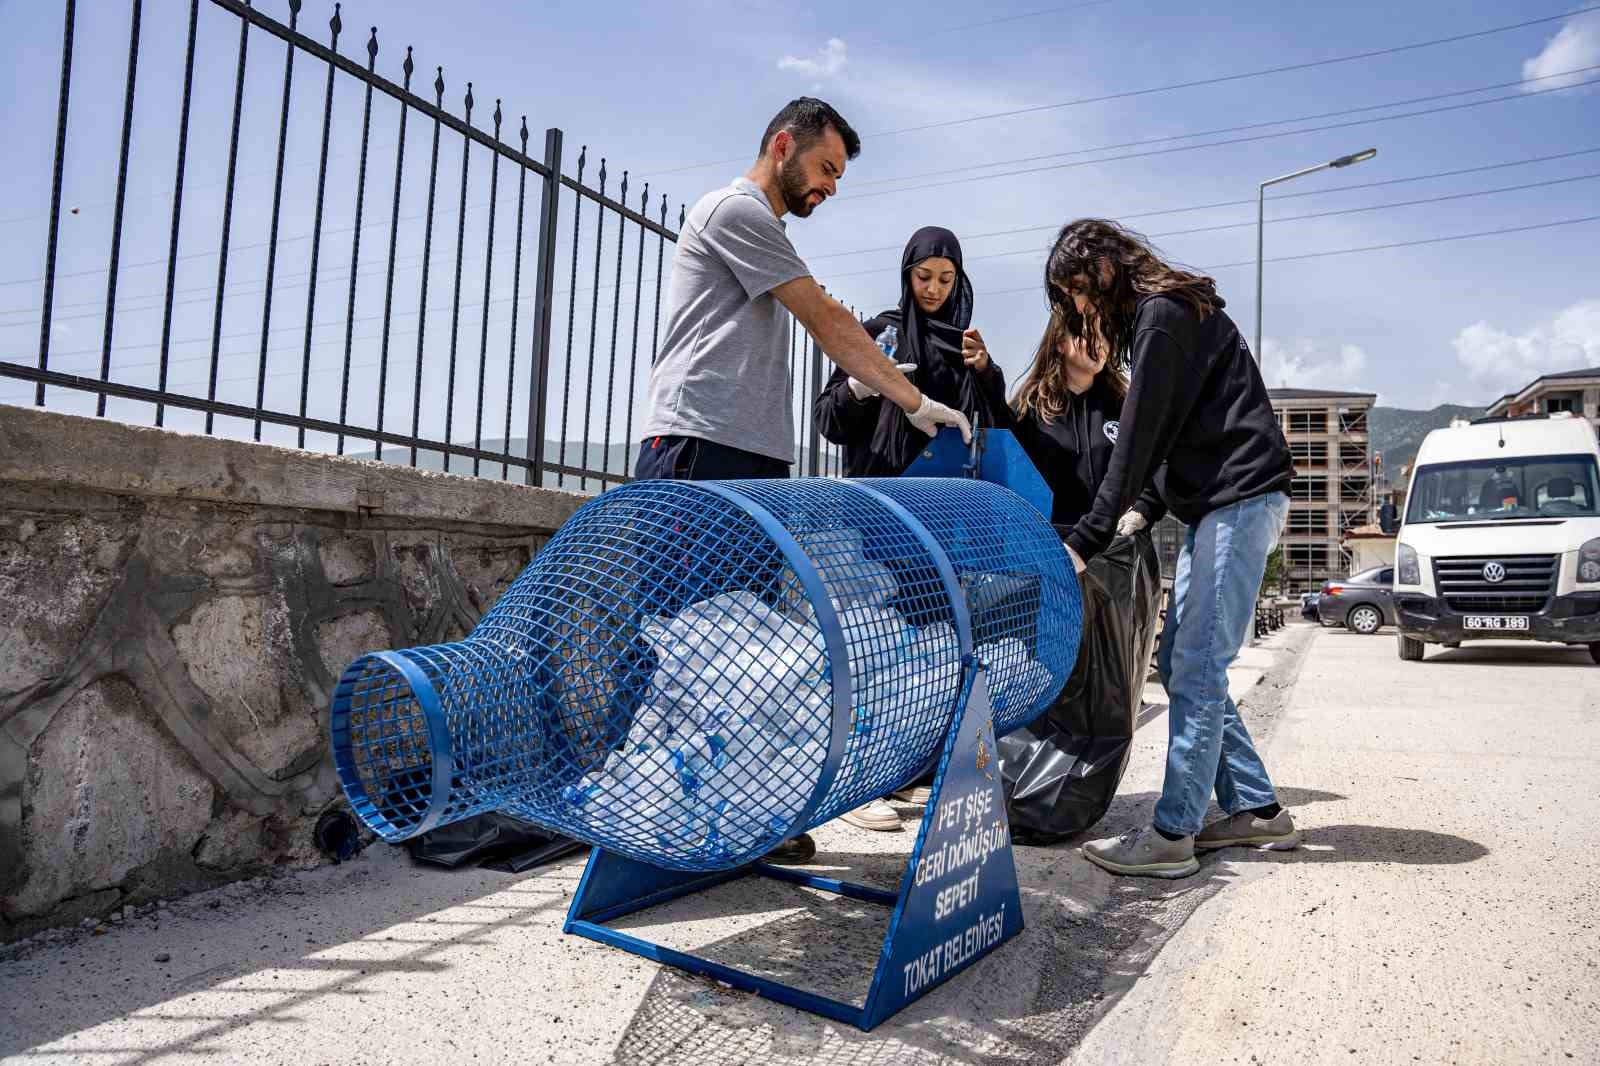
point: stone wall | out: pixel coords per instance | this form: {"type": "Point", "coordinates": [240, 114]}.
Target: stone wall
{"type": "Point", "coordinates": [174, 613]}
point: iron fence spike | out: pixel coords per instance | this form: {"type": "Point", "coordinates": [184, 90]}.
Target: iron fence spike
{"type": "Point", "coordinates": [408, 66]}
{"type": "Point", "coordinates": [438, 87]}
{"type": "Point", "coordinates": [524, 134]}
{"type": "Point", "coordinates": [497, 118]}
{"type": "Point", "coordinates": [336, 24]}
{"type": "Point", "coordinates": [294, 7]}
{"type": "Point", "coordinates": [468, 101]}
{"type": "Point", "coordinates": [372, 45]}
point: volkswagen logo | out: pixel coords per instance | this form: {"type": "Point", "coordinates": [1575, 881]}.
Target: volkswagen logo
{"type": "Point", "coordinates": [1494, 573]}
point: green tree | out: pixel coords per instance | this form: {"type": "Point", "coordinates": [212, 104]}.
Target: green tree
{"type": "Point", "coordinates": [1273, 578]}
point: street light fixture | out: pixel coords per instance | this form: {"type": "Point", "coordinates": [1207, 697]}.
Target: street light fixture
{"type": "Point", "coordinates": [1261, 206]}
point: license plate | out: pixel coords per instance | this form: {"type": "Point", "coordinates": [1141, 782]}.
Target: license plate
{"type": "Point", "coordinates": [1495, 621]}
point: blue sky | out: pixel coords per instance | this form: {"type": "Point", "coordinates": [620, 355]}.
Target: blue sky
{"type": "Point", "coordinates": [658, 88]}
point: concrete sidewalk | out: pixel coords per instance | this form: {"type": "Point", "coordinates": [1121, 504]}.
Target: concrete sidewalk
{"type": "Point", "coordinates": [378, 961]}
{"type": "Point", "coordinates": [1444, 906]}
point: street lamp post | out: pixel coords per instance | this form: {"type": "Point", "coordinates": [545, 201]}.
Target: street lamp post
{"type": "Point", "coordinates": [1261, 212]}
{"type": "Point", "coordinates": [1261, 206]}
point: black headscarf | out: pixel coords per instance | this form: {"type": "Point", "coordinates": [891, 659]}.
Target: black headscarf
{"type": "Point", "coordinates": [927, 243]}
{"type": "Point", "coordinates": [878, 441]}
{"type": "Point", "coordinates": [942, 378]}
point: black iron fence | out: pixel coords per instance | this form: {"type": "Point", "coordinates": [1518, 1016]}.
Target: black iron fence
{"type": "Point", "coordinates": [327, 259]}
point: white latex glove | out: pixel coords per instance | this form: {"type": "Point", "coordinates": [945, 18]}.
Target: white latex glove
{"type": "Point", "coordinates": [862, 391]}
{"type": "Point", "coordinates": [930, 416]}
{"type": "Point", "coordinates": [1078, 565]}
{"type": "Point", "coordinates": [1130, 523]}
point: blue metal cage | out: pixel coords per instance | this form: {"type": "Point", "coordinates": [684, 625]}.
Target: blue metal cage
{"type": "Point", "coordinates": [691, 672]}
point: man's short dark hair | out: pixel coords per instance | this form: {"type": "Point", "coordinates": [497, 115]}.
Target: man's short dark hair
{"type": "Point", "coordinates": [807, 119]}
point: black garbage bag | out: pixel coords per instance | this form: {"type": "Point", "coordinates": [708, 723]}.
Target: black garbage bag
{"type": "Point", "coordinates": [1061, 771]}
{"type": "Point", "coordinates": [498, 841]}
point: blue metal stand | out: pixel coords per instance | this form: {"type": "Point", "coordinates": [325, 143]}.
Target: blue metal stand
{"type": "Point", "coordinates": [957, 902]}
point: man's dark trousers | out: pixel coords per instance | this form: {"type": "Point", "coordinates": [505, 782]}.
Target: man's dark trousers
{"type": "Point", "coordinates": [696, 459]}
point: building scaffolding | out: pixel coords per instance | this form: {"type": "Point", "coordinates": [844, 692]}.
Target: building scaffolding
{"type": "Point", "coordinates": [1335, 485]}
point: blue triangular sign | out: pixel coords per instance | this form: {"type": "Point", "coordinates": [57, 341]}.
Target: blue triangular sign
{"type": "Point", "coordinates": [959, 900]}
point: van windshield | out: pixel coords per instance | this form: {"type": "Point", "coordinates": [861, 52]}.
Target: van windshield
{"type": "Point", "coordinates": [1542, 486]}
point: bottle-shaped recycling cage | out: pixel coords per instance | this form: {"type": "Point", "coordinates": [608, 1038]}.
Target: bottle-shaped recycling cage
{"type": "Point", "coordinates": [690, 673]}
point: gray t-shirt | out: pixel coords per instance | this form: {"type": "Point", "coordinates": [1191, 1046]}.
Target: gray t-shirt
{"type": "Point", "coordinates": [723, 369]}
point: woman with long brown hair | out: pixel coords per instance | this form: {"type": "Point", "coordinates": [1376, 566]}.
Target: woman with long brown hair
{"type": "Point", "coordinates": [1066, 414]}
{"type": "Point", "coordinates": [1197, 404]}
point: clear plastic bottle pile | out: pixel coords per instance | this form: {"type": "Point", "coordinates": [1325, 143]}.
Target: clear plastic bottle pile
{"type": "Point", "coordinates": [738, 714]}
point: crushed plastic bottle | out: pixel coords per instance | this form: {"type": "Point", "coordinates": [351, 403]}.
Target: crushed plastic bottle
{"type": "Point", "coordinates": [889, 340]}
{"type": "Point", "coordinates": [740, 708]}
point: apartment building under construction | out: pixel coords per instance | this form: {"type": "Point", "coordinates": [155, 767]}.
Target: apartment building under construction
{"type": "Point", "coordinates": [1333, 491]}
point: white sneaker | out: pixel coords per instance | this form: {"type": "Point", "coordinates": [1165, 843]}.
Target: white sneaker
{"type": "Point", "coordinates": [877, 816]}
{"type": "Point", "coordinates": [916, 795]}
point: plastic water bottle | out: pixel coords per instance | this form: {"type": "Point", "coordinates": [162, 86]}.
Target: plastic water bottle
{"type": "Point", "coordinates": [889, 340]}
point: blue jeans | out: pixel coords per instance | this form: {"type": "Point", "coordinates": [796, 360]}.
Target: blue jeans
{"type": "Point", "coordinates": [1211, 612]}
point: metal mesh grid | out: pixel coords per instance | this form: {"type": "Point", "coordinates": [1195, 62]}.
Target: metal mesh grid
{"type": "Point", "coordinates": [1023, 599]}
{"type": "Point", "coordinates": [690, 672]}
{"type": "Point", "coordinates": [898, 623]}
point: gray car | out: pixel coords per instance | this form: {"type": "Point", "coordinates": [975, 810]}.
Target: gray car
{"type": "Point", "coordinates": [1363, 602]}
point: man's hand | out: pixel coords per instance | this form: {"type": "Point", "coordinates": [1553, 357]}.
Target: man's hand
{"type": "Point", "coordinates": [862, 391]}
{"type": "Point", "coordinates": [839, 334]}
{"type": "Point", "coordinates": [1130, 523]}
{"type": "Point", "coordinates": [1078, 565]}
{"type": "Point", "coordinates": [930, 416]}
{"type": "Point", "coordinates": [974, 352]}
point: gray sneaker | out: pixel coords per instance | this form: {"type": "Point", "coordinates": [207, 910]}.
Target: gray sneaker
{"type": "Point", "coordinates": [1246, 830]}
{"type": "Point", "coordinates": [1143, 852]}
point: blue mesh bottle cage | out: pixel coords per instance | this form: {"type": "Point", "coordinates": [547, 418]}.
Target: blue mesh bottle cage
{"type": "Point", "coordinates": [691, 672]}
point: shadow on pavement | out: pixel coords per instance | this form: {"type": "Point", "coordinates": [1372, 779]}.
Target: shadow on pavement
{"type": "Point", "coordinates": [1369, 843]}
{"type": "Point", "coordinates": [324, 933]}
{"type": "Point", "coordinates": [1028, 1004]}
{"type": "Point", "coordinates": [1088, 938]}
{"type": "Point", "coordinates": [1571, 657]}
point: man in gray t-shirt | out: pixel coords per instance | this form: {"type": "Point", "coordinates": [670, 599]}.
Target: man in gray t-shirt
{"type": "Point", "coordinates": [720, 404]}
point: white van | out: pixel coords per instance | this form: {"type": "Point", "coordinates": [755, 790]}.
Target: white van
{"type": "Point", "coordinates": [1501, 536]}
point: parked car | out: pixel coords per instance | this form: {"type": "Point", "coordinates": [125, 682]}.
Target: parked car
{"type": "Point", "coordinates": [1363, 602]}
{"type": "Point", "coordinates": [1308, 605]}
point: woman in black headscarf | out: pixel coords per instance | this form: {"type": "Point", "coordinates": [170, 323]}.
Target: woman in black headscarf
{"type": "Point", "coordinates": [930, 338]}
{"type": "Point", "coordinates": [928, 335]}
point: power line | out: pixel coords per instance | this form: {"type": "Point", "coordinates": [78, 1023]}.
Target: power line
{"type": "Point", "coordinates": [1241, 203]}
{"type": "Point", "coordinates": [1293, 218]}
{"type": "Point", "coordinates": [1230, 129]}
{"type": "Point", "coordinates": [1173, 87]}
{"type": "Point", "coordinates": [1353, 251]}
{"type": "Point", "coordinates": [1222, 143]}
{"type": "Point", "coordinates": [1388, 206]}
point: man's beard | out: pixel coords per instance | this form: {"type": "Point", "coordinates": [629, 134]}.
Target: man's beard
{"type": "Point", "coordinates": [796, 197]}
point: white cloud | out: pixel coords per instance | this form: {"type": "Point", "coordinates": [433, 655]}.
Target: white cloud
{"type": "Point", "coordinates": [1504, 361]}
{"type": "Point", "coordinates": [1575, 47]}
{"type": "Point", "coordinates": [1306, 364]}
{"type": "Point", "coordinates": [830, 60]}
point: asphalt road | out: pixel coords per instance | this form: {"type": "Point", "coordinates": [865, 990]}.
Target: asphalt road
{"type": "Point", "coordinates": [1442, 910]}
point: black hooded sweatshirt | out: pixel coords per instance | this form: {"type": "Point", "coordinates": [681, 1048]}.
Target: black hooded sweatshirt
{"type": "Point", "coordinates": [877, 438]}
{"type": "Point", "coordinates": [1197, 403]}
{"type": "Point", "coordinates": [1073, 453]}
